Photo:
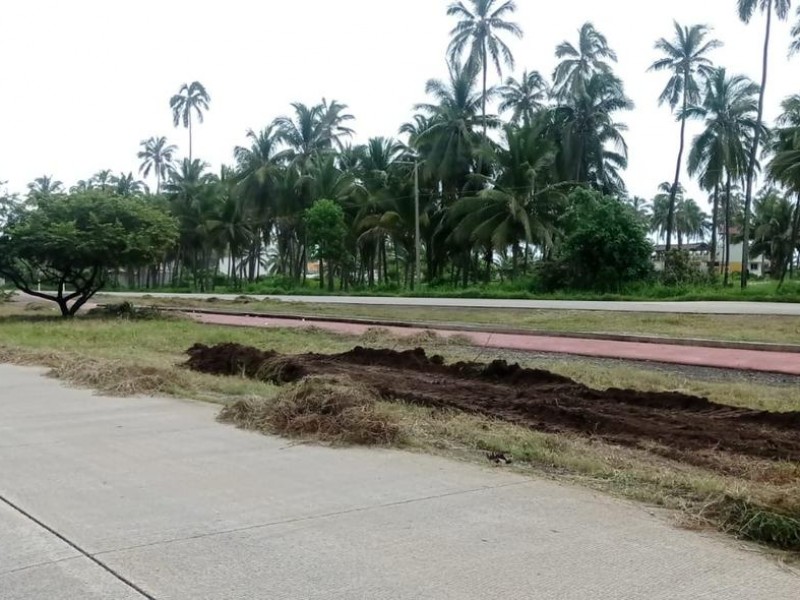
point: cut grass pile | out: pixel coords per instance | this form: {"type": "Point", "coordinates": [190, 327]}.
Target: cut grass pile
{"type": "Point", "coordinates": [327, 409]}
{"type": "Point", "coordinates": [751, 499]}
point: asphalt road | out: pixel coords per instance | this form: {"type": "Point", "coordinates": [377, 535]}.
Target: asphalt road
{"type": "Point", "coordinates": [717, 308]}
{"type": "Point", "coordinates": [105, 498]}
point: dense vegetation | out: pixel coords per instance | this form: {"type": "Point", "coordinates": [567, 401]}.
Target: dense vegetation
{"type": "Point", "coordinates": [534, 194]}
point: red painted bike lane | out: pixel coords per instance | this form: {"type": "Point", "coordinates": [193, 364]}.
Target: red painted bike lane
{"type": "Point", "coordinates": [751, 360]}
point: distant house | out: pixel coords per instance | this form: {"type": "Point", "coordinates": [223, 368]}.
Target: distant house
{"type": "Point", "coordinates": [701, 255]}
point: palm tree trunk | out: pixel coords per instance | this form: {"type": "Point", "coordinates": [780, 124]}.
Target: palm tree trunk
{"type": "Point", "coordinates": [485, 77]}
{"type": "Point", "coordinates": [190, 137]}
{"type": "Point", "coordinates": [727, 230]}
{"type": "Point", "coordinates": [787, 266]}
{"type": "Point", "coordinates": [714, 229]}
{"type": "Point", "coordinates": [673, 193]}
{"type": "Point", "coordinates": [751, 167]}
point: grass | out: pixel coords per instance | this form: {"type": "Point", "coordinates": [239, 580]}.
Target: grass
{"type": "Point", "coordinates": [737, 328]}
{"type": "Point", "coordinates": [749, 498]}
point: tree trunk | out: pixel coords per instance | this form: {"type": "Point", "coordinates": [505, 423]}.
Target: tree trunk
{"type": "Point", "coordinates": [787, 266]}
{"type": "Point", "coordinates": [485, 77]}
{"type": "Point", "coordinates": [673, 193]}
{"type": "Point", "coordinates": [727, 231]}
{"type": "Point", "coordinates": [751, 167]}
{"type": "Point", "coordinates": [190, 137]}
{"type": "Point", "coordinates": [714, 229]}
{"type": "Point", "coordinates": [321, 274]}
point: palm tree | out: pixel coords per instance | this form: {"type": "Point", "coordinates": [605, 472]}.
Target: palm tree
{"type": "Point", "coordinates": [479, 29]}
{"type": "Point", "coordinates": [582, 62]}
{"type": "Point", "coordinates": [524, 98]}
{"type": "Point", "coordinates": [313, 130]}
{"type": "Point", "coordinates": [691, 223]}
{"type": "Point", "coordinates": [157, 157]}
{"type": "Point", "coordinates": [685, 58]}
{"type": "Point", "coordinates": [794, 47]}
{"type": "Point", "coordinates": [43, 187]}
{"type": "Point", "coordinates": [104, 180]}
{"type": "Point", "coordinates": [519, 206]}
{"type": "Point", "coordinates": [450, 140]}
{"type": "Point", "coordinates": [191, 99]}
{"type": "Point", "coordinates": [747, 9]}
{"type": "Point", "coordinates": [774, 228]}
{"type": "Point", "coordinates": [593, 149]}
{"type": "Point", "coordinates": [730, 109]}
{"type": "Point", "coordinates": [126, 185]}
{"type": "Point", "coordinates": [785, 166]}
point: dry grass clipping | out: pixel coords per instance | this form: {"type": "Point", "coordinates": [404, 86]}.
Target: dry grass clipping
{"type": "Point", "coordinates": [116, 378]}
{"type": "Point", "coordinates": [328, 409]}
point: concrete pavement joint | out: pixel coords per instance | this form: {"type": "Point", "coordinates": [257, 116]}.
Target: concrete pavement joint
{"type": "Point", "coordinates": [77, 548]}
{"type": "Point", "coordinates": [309, 519]}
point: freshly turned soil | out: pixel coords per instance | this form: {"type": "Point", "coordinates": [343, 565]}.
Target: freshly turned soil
{"type": "Point", "coordinates": [690, 428]}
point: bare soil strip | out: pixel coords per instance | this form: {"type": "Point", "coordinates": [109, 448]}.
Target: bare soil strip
{"type": "Point", "coordinates": [683, 427]}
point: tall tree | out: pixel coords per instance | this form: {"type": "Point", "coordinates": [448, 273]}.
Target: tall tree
{"type": "Point", "coordinates": [478, 32]}
{"type": "Point", "coordinates": [748, 8]}
{"type": "Point", "coordinates": [785, 166]}
{"type": "Point", "coordinates": [729, 109]}
{"type": "Point", "coordinates": [524, 98]}
{"type": "Point", "coordinates": [157, 157]}
{"type": "Point", "coordinates": [192, 99]}
{"type": "Point", "coordinates": [684, 57]}
{"type": "Point", "coordinates": [579, 64]}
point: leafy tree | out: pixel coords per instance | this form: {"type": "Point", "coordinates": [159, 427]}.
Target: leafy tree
{"type": "Point", "coordinates": [747, 9]}
{"type": "Point", "coordinates": [685, 57]}
{"type": "Point", "coordinates": [606, 245]}
{"type": "Point", "coordinates": [478, 32]}
{"type": "Point", "coordinates": [76, 241]}
{"type": "Point", "coordinates": [192, 99]}
{"type": "Point", "coordinates": [157, 156]}
{"type": "Point", "coordinates": [524, 98]}
{"type": "Point", "coordinates": [327, 231]}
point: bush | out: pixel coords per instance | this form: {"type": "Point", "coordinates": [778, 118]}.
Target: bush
{"type": "Point", "coordinates": [680, 269]}
{"type": "Point", "coordinates": [605, 249]}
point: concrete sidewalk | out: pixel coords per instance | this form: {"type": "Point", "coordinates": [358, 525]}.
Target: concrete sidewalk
{"type": "Point", "coordinates": [150, 498]}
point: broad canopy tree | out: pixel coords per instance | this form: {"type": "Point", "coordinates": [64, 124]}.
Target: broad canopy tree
{"type": "Point", "coordinates": [73, 242]}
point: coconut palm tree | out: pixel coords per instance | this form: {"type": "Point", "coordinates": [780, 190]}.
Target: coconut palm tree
{"type": "Point", "coordinates": [192, 99]}
{"type": "Point", "coordinates": [684, 57]}
{"type": "Point", "coordinates": [450, 139]}
{"type": "Point", "coordinates": [126, 185]}
{"type": "Point", "coordinates": [593, 149]}
{"type": "Point", "coordinates": [519, 207]}
{"type": "Point", "coordinates": [794, 46]}
{"type": "Point", "coordinates": [785, 166]}
{"type": "Point", "coordinates": [478, 33]}
{"type": "Point", "coordinates": [524, 98]}
{"type": "Point", "coordinates": [313, 130]}
{"type": "Point", "coordinates": [157, 157]}
{"type": "Point", "coordinates": [103, 180]}
{"type": "Point", "coordinates": [729, 110]}
{"type": "Point", "coordinates": [579, 64]}
{"type": "Point", "coordinates": [691, 223]}
{"type": "Point", "coordinates": [747, 9]}
{"type": "Point", "coordinates": [43, 187]}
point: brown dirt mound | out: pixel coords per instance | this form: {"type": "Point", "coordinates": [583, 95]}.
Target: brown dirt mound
{"type": "Point", "coordinates": [332, 409]}
{"type": "Point", "coordinates": [691, 426]}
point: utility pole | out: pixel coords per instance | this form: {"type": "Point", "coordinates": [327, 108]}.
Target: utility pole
{"type": "Point", "coordinates": [417, 244]}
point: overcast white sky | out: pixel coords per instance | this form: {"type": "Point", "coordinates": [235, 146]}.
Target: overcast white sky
{"type": "Point", "coordinates": [84, 81]}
